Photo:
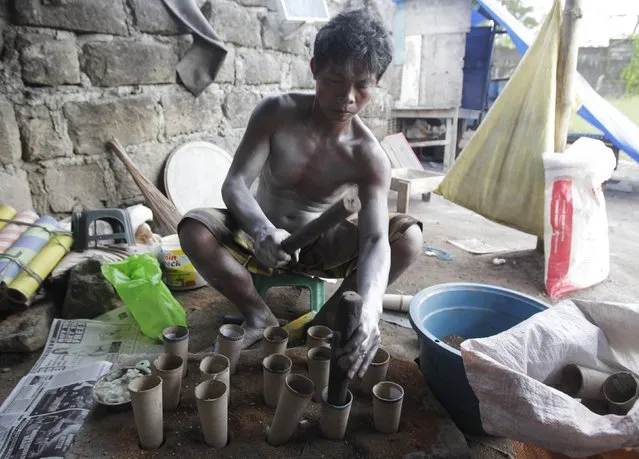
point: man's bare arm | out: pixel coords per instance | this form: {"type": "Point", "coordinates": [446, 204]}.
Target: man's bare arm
{"type": "Point", "coordinates": [374, 263]}
{"type": "Point", "coordinates": [248, 162]}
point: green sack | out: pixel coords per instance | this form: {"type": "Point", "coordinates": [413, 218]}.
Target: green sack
{"type": "Point", "coordinates": [138, 281]}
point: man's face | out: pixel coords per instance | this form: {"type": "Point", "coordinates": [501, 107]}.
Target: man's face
{"type": "Point", "coordinates": [343, 91]}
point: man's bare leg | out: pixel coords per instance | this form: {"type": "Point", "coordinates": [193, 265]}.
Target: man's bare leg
{"type": "Point", "coordinates": [228, 277]}
{"type": "Point", "coordinates": [404, 252]}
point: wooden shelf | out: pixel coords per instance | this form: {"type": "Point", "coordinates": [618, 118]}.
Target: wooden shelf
{"type": "Point", "coordinates": [428, 143]}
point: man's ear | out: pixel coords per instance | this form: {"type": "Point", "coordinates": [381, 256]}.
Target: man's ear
{"type": "Point", "coordinates": [313, 66]}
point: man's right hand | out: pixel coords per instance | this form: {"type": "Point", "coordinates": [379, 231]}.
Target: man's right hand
{"type": "Point", "coordinates": [268, 247]}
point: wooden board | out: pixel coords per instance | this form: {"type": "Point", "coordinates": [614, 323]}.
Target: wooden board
{"type": "Point", "coordinates": [442, 76]}
{"type": "Point", "coordinates": [194, 174]}
{"type": "Point", "coordinates": [400, 153]}
{"type": "Point", "coordinates": [411, 70]}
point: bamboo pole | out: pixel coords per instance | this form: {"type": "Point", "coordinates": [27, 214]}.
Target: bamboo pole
{"type": "Point", "coordinates": [566, 76]}
{"type": "Point", "coordinates": [567, 71]}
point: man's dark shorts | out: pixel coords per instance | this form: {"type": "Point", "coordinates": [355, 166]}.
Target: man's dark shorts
{"type": "Point", "coordinates": [333, 255]}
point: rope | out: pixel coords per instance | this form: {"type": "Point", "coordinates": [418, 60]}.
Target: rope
{"type": "Point", "coordinates": [22, 265]}
{"type": "Point", "coordinates": [33, 225]}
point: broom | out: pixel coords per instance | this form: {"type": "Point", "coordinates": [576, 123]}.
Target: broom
{"type": "Point", "coordinates": [165, 216]}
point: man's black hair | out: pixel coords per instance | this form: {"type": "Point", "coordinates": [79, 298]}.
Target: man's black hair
{"type": "Point", "coordinates": [354, 37]}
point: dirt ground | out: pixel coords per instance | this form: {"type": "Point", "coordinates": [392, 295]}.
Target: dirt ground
{"type": "Point", "coordinates": [443, 221]}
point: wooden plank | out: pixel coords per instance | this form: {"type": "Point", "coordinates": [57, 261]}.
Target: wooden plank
{"type": "Point", "coordinates": [448, 153]}
{"type": "Point", "coordinates": [422, 111]}
{"type": "Point", "coordinates": [411, 70]}
{"type": "Point", "coordinates": [428, 143]}
{"type": "Point", "coordinates": [400, 152]}
{"type": "Point", "coordinates": [442, 75]}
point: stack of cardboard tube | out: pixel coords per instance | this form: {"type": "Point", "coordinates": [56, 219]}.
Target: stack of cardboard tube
{"type": "Point", "coordinates": [290, 393]}
{"type": "Point", "coordinates": [286, 392]}
{"type": "Point", "coordinates": [607, 393]}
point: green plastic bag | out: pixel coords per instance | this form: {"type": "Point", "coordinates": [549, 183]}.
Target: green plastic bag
{"type": "Point", "coordinates": [138, 281]}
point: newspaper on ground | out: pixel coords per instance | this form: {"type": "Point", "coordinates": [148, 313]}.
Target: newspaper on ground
{"type": "Point", "coordinates": [48, 406]}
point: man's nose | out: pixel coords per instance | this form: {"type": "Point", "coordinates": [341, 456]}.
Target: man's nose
{"type": "Point", "coordinates": [347, 94]}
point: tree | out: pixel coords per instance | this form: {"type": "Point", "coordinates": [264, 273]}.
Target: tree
{"type": "Point", "coordinates": [521, 11]}
{"type": "Point", "coordinates": [630, 74]}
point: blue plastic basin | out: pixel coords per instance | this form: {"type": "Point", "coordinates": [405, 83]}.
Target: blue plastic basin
{"type": "Point", "coordinates": [471, 311]}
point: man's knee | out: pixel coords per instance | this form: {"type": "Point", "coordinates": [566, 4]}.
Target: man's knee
{"type": "Point", "coordinates": [409, 246]}
{"type": "Point", "coordinates": [194, 236]}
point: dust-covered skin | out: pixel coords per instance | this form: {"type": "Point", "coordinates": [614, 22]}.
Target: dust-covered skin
{"type": "Point", "coordinates": [308, 150]}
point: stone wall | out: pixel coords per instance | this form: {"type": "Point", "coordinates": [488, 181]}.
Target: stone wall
{"type": "Point", "coordinates": [600, 66]}
{"type": "Point", "coordinates": [73, 74]}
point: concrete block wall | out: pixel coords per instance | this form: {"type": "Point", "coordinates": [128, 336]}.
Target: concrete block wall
{"type": "Point", "coordinates": [73, 74]}
{"type": "Point", "coordinates": [600, 66]}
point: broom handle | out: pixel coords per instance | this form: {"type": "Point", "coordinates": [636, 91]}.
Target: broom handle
{"type": "Point", "coordinates": [117, 147]}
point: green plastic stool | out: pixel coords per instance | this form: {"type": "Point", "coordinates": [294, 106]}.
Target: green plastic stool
{"type": "Point", "coordinates": [314, 284]}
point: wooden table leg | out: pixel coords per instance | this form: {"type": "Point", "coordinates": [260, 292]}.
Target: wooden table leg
{"type": "Point", "coordinates": [403, 197]}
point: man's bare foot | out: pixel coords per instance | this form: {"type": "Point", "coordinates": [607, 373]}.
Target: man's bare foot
{"type": "Point", "coordinates": [254, 329]}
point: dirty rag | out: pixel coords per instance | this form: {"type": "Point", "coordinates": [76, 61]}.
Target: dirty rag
{"type": "Point", "coordinates": [202, 62]}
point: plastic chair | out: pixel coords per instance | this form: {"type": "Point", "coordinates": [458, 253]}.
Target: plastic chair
{"type": "Point", "coordinates": [118, 219]}
{"type": "Point", "coordinates": [314, 284]}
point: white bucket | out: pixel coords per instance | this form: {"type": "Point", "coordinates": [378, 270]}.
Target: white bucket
{"type": "Point", "coordinates": [179, 273]}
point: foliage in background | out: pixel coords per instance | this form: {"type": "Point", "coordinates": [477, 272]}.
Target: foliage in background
{"type": "Point", "coordinates": [521, 11]}
{"type": "Point", "coordinates": [631, 73]}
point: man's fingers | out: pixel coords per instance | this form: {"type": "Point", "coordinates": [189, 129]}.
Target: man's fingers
{"type": "Point", "coordinates": [356, 365]}
{"type": "Point", "coordinates": [354, 343]}
{"type": "Point", "coordinates": [369, 358]}
{"type": "Point", "coordinates": [282, 259]}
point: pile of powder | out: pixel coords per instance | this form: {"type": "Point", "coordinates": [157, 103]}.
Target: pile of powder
{"type": "Point", "coordinates": [113, 388]}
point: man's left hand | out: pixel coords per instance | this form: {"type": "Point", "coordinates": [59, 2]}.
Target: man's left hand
{"type": "Point", "coordinates": [360, 350]}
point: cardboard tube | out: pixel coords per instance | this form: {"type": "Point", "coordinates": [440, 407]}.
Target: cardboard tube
{"type": "Point", "coordinates": [318, 360]}
{"type": "Point", "coordinates": [216, 366]}
{"type": "Point", "coordinates": [621, 391]}
{"type": "Point", "coordinates": [229, 343]}
{"type": "Point", "coordinates": [176, 342]}
{"type": "Point", "coordinates": [376, 371]}
{"type": "Point", "coordinates": [583, 382]}
{"type": "Point", "coordinates": [398, 303]}
{"type": "Point", "coordinates": [334, 419]}
{"type": "Point", "coordinates": [146, 400]}
{"type": "Point", "coordinates": [275, 341]}
{"type": "Point", "coordinates": [212, 406]}
{"type": "Point", "coordinates": [387, 406]}
{"type": "Point", "coordinates": [318, 335]}
{"type": "Point", "coordinates": [296, 394]}
{"type": "Point", "coordinates": [169, 368]}
{"type": "Point", "coordinates": [276, 367]}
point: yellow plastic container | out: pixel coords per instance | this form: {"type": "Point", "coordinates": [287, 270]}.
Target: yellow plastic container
{"type": "Point", "coordinates": [179, 273]}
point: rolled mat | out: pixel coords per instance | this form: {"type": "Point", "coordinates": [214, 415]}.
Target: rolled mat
{"type": "Point", "coordinates": [12, 232]}
{"type": "Point", "coordinates": [26, 248]}
{"type": "Point", "coordinates": [26, 284]}
{"type": "Point", "coordinates": [6, 213]}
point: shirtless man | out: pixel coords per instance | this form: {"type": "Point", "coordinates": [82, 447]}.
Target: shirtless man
{"type": "Point", "coordinates": [308, 150]}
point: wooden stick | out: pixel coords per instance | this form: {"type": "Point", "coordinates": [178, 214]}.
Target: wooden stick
{"type": "Point", "coordinates": [339, 211]}
{"type": "Point", "coordinates": [346, 322]}
{"type": "Point", "coordinates": [567, 71]}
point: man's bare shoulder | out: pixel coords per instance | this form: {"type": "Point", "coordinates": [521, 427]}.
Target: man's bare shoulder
{"type": "Point", "coordinates": [370, 153]}
{"type": "Point", "coordinates": [283, 107]}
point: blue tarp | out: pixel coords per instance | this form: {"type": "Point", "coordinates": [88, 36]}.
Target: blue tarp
{"type": "Point", "coordinates": [617, 128]}
{"type": "Point", "coordinates": [479, 52]}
